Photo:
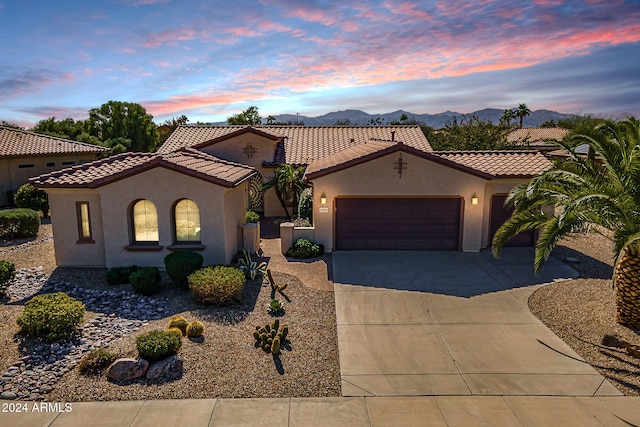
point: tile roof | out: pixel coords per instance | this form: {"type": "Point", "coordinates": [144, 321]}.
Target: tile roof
{"type": "Point", "coordinates": [486, 164]}
{"type": "Point", "coordinates": [17, 142]}
{"type": "Point", "coordinates": [188, 161]}
{"type": "Point", "coordinates": [500, 164]}
{"type": "Point", "coordinates": [301, 144]}
{"type": "Point", "coordinates": [537, 136]}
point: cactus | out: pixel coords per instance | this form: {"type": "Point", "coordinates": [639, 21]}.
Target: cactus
{"type": "Point", "coordinates": [180, 323]}
{"type": "Point", "coordinates": [274, 286]}
{"type": "Point", "coordinates": [285, 331]}
{"type": "Point", "coordinates": [195, 329]}
{"type": "Point", "coordinates": [275, 347]}
{"type": "Point", "coordinates": [175, 330]}
{"type": "Point", "coordinates": [256, 335]}
{"type": "Point", "coordinates": [276, 324]}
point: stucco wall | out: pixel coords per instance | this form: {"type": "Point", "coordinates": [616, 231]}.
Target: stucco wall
{"type": "Point", "coordinates": [12, 176]}
{"type": "Point", "coordinates": [231, 149]}
{"type": "Point", "coordinates": [421, 178]}
{"type": "Point", "coordinates": [65, 228]}
{"type": "Point", "coordinates": [235, 203]}
{"type": "Point", "coordinates": [163, 188]}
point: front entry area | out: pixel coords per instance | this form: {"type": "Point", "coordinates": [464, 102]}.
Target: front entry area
{"type": "Point", "coordinates": [397, 223]}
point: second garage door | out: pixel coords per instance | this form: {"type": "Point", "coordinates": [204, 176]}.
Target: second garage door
{"type": "Point", "coordinates": [397, 223]}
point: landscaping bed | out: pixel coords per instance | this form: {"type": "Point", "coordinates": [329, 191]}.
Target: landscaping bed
{"type": "Point", "coordinates": [225, 363]}
{"type": "Point", "coordinates": [582, 311]}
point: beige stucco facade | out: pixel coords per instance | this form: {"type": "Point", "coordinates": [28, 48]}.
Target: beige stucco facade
{"type": "Point", "coordinates": [232, 149]}
{"type": "Point", "coordinates": [221, 209]}
{"type": "Point", "coordinates": [421, 178]}
{"type": "Point", "coordinates": [15, 171]}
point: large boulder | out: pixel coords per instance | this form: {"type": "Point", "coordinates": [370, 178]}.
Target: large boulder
{"type": "Point", "coordinates": [127, 369]}
{"type": "Point", "coordinates": [166, 370]}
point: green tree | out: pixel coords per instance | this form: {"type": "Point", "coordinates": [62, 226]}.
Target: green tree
{"type": "Point", "coordinates": [521, 112]}
{"type": "Point", "coordinates": [65, 128]}
{"type": "Point", "coordinates": [470, 134]}
{"type": "Point", "coordinates": [548, 124]}
{"type": "Point", "coordinates": [600, 194]}
{"type": "Point", "coordinates": [507, 116]}
{"type": "Point", "coordinates": [288, 183]}
{"type": "Point", "coordinates": [116, 119]}
{"type": "Point", "coordinates": [10, 125]}
{"type": "Point", "coordinates": [250, 116]}
{"type": "Point", "coordinates": [33, 198]}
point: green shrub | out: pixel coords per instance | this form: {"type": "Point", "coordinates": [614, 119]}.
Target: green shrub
{"type": "Point", "coordinates": [31, 197]}
{"type": "Point", "coordinates": [305, 205]}
{"type": "Point", "coordinates": [251, 217]}
{"type": "Point", "coordinates": [52, 316]}
{"type": "Point", "coordinates": [301, 222]}
{"type": "Point", "coordinates": [157, 345]}
{"type": "Point", "coordinates": [217, 285]}
{"type": "Point", "coordinates": [96, 361]}
{"type": "Point", "coordinates": [19, 223]}
{"type": "Point", "coordinates": [180, 265]}
{"type": "Point", "coordinates": [180, 323]}
{"type": "Point", "coordinates": [195, 329]}
{"type": "Point", "coordinates": [7, 273]}
{"type": "Point", "coordinates": [303, 248]}
{"type": "Point", "coordinates": [120, 275]}
{"type": "Point", "coordinates": [145, 280]}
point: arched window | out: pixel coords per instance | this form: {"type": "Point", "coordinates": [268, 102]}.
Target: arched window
{"type": "Point", "coordinates": [145, 221]}
{"type": "Point", "coordinates": [187, 221]}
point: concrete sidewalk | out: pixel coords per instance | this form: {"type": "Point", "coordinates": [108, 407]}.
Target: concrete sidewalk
{"type": "Point", "coordinates": [344, 411]}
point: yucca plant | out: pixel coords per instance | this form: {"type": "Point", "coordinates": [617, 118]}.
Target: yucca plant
{"type": "Point", "coordinates": [599, 192]}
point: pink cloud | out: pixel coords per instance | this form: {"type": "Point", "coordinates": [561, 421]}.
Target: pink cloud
{"type": "Point", "coordinates": [170, 37]}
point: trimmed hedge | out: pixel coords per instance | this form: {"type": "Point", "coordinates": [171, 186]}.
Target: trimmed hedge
{"type": "Point", "coordinates": [180, 265]}
{"type": "Point", "coordinates": [217, 285]}
{"type": "Point", "coordinates": [34, 198]}
{"type": "Point", "coordinates": [52, 316]}
{"type": "Point", "coordinates": [120, 275]}
{"type": "Point", "coordinates": [145, 280]}
{"type": "Point", "coordinates": [15, 223]}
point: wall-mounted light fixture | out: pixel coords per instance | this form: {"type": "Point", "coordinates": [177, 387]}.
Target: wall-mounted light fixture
{"type": "Point", "coordinates": [474, 199]}
{"type": "Point", "coordinates": [323, 199]}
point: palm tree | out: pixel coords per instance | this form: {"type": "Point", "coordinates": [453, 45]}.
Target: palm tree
{"type": "Point", "coordinates": [288, 183]}
{"type": "Point", "coordinates": [599, 193]}
{"type": "Point", "coordinates": [522, 111]}
{"type": "Point", "coordinates": [507, 116]}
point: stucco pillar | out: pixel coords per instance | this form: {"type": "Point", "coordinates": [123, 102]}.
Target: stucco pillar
{"type": "Point", "coordinates": [251, 237]}
{"type": "Point", "coordinates": [286, 236]}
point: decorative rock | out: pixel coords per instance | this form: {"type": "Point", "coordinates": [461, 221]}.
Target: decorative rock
{"type": "Point", "coordinates": [127, 369]}
{"type": "Point", "coordinates": [8, 395]}
{"type": "Point", "coordinates": [166, 369]}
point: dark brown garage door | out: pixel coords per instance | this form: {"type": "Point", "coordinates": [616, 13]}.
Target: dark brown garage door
{"type": "Point", "coordinates": [397, 224]}
{"type": "Point", "coordinates": [499, 214]}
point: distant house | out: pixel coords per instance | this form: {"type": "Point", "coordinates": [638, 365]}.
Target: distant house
{"type": "Point", "coordinates": [26, 154]}
{"type": "Point", "coordinates": [541, 139]}
{"type": "Point", "coordinates": [374, 188]}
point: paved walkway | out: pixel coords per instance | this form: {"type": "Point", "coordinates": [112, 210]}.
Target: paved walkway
{"type": "Point", "coordinates": [451, 323]}
{"type": "Point", "coordinates": [456, 411]}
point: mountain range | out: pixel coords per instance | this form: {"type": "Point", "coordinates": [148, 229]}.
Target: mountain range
{"type": "Point", "coordinates": [436, 121]}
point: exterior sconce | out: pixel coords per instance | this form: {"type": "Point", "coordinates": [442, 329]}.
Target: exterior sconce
{"type": "Point", "coordinates": [474, 200]}
{"type": "Point", "coordinates": [323, 199]}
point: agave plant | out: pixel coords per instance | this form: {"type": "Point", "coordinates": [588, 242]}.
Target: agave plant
{"type": "Point", "coordinates": [276, 307]}
{"type": "Point", "coordinates": [599, 192]}
{"type": "Point", "coordinates": [251, 268]}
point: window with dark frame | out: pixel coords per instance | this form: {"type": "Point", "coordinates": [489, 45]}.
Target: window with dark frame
{"type": "Point", "coordinates": [84, 223]}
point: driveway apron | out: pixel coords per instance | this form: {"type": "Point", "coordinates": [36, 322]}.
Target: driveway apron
{"type": "Point", "coordinates": [451, 323]}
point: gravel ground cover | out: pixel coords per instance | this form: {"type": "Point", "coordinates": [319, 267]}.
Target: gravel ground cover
{"type": "Point", "coordinates": [225, 364]}
{"type": "Point", "coordinates": [582, 311]}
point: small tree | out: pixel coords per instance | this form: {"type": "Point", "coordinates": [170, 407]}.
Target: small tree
{"type": "Point", "coordinates": [31, 197]}
{"type": "Point", "coordinates": [250, 117]}
{"type": "Point", "coordinates": [288, 184]}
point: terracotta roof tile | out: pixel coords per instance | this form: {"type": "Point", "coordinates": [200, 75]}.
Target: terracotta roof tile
{"type": "Point", "coordinates": [302, 144]}
{"type": "Point", "coordinates": [16, 142]}
{"type": "Point", "coordinates": [486, 164]}
{"type": "Point", "coordinates": [500, 164]}
{"type": "Point", "coordinates": [537, 136]}
{"type": "Point", "coordinates": [105, 171]}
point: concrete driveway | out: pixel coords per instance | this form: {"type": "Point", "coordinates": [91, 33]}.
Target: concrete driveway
{"type": "Point", "coordinates": [451, 323]}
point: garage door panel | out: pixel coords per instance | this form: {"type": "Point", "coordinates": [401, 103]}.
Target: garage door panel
{"type": "Point", "coordinates": [499, 214]}
{"type": "Point", "coordinates": [397, 223]}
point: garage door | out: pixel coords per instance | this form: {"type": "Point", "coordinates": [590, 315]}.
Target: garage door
{"type": "Point", "coordinates": [499, 214]}
{"type": "Point", "coordinates": [397, 223]}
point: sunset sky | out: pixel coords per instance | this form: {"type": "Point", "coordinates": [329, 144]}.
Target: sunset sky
{"type": "Point", "coordinates": [211, 59]}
